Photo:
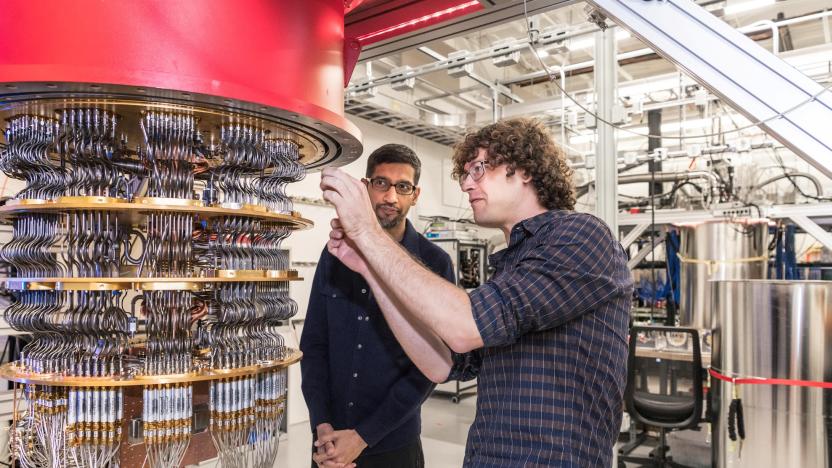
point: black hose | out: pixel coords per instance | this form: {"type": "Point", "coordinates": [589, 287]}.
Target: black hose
{"type": "Point", "coordinates": [128, 246]}
{"type": "Point", "coordinates": [736, 425]}
{"type": "Point", "coordinates": [740, 420]}
{"type": "Point", "coordinates": [709, 405]}
{"type": "Point", "coordinates": [135, 167]}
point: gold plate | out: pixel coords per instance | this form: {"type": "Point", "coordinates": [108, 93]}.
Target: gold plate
{"type": "Point", "coordinates": [134, 212]}
{"type": "Point", "coordinates": [282, 274]}
{"type": "Point", "coordinates": [90, 286]}
{"type": "Point", "coordinates": [25, 285]}
{"type": "Point", "coordinates": [249, 206]}
{"type": "Point", "coordinates": [154, 285]}
{"type": "Point", "coordinates": [26, 201]}
{"type": "Point", "coordinates": [93, 200]}
{"type": "Point", "coordinates": [11, 371]}
{"type": "Point", "coordinates": [158, 201]}
{"type": "Point", "coordinates": [148, 284]}
{"type": "Point", "coordinates": [320, 143]}
{"type": "Point", "coordinates": [285, 275]}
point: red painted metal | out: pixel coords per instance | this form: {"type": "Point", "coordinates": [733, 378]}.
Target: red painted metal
{"type": "Point", "coordinates": [350, 5]}
{"type": "Point", "coordinates": [286, 54]}
{"type": "Point", "coordinates": [352, 49]}
{"type": "Point", "coordinates": [383, 20]}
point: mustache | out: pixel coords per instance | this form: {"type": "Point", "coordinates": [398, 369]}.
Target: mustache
{"type": "Point", "coordinates": [388, 205]}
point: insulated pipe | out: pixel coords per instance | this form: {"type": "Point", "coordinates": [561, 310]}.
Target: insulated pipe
{"type": "Point", "coordinates": [814, 180]}
{"type": "Point", "coordinates": [663, 177]}
{"type": "Point", "coordinates": [669, 177]}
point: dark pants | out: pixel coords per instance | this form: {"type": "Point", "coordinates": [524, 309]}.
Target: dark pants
{"type": "Point", "coordinates": [409, 456]}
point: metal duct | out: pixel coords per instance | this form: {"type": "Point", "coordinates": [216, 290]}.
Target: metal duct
{"type": "Point", "coordinates": [660, 177]}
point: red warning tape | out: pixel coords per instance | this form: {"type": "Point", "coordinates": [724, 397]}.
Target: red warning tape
{"type": "Point", "coordinates": [762, 381]}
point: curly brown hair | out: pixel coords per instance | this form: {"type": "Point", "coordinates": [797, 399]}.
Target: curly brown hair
{"type": "Point", "coordinates": [523, 144]}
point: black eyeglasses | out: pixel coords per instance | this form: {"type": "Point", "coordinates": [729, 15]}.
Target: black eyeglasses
{"type": "Point", "coordinates": [382, 185]}
{"type": "Point", "coordinates": [476, 171]}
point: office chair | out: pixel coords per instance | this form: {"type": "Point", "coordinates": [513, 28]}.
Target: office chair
{"type": "Point", "coordinates": [671, 406]}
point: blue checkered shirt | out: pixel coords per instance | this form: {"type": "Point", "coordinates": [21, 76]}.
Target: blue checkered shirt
{"type": "Point", "coordinates": [552, 373]}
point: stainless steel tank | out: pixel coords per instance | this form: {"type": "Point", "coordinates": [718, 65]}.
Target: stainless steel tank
{"type": "Point", "coordinates": [717, 250]}
{"type": "Point", "coordinates": [781, 330]}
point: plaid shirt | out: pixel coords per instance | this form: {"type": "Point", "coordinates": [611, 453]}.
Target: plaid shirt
{"type": "Point", "coordinates": [553, 370]}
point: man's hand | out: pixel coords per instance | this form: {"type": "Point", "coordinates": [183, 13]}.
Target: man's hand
{"type": "Point", "coordinates": [323, 429]}
{"type": "Point", "coordinates": [345, 250]}
{"type": "Point", "coordinates": [325, 452]}
{"type": "Point", "coordinates": [352, 203]}
{"type": "Point", "coordinates": [348, 446]}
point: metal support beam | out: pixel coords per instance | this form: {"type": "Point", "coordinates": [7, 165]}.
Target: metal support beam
{"type": "Point", "coordinates": [495, 105]}
{"type": "Point", "coordinates": [819, 211]}
{"type": "Point", "coordinates": [634, 234]}
{"type": "Point", "coordinates": [823, 236]}
{"type": "Point", "coordinates": [654, 127]}
{"type": "Point", "coordinates": [545, 38]}
{"type": "Point", "coordinates": [754, 81]}
{"type": "Point", "coordinates": [606, 168]}
{"type": "Point", "coordinates": [645, 251]}
{"type": "Point", "coordinates": [483, 81]}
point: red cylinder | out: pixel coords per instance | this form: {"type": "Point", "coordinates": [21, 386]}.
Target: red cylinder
{"type": "Point", "coordinates": [285, 54]}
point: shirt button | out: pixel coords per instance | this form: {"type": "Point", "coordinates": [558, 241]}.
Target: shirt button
{"type": "Point", "coordinates": [349, 404]}
{"type": "Point", "coordinates": [367, 318]}
{"type": "Point", "coordinates": [334, 295]}
{"type": "Point", "coordinates": [355, 375]}
{"type": "Point", "coordinates": [363, 291]}
{"type": "Point", "coordinates": [360, 346]}
{"type": "Point", "coordinates": [360, 317]}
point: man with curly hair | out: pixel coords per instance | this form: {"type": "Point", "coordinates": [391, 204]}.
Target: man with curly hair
{"type": "Point", "coordinates": [546, 336]}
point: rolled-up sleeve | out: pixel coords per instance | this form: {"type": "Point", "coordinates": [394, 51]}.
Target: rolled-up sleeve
{"type": "Point", "coordinates": [465, 366]}
{"type": "Point", "coordinates": [567, 274]}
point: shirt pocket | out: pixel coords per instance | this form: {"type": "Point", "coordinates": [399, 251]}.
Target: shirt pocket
{"type": "Point", "coordinates": [341, 309]}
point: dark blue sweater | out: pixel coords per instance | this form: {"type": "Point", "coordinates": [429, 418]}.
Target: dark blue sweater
{"type": "Point", "coordinates": [355, 373]}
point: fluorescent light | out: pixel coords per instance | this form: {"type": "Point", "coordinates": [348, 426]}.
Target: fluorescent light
{"type": "Point", "coordinates": [431, 17]}
{"type": "Point", "coordinates": [586, 43]}
{"type": "Point", "coordinates": [740, 7]}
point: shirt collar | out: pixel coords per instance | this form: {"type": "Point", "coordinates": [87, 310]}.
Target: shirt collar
{"type": "Point", "coordinates": [528, 227]}
{"type": "Point", "coordinates": [410, 240]}
{"type": "Point", "coordinates": [533, 224]}
{"type": "Point", "coordinates": [521, 231]}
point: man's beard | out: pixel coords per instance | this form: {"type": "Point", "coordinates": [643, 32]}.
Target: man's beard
{"type": "Point", "coordinates": [389, 223]}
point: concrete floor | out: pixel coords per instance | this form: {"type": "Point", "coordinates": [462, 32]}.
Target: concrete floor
{"type": "Point", "coordinates": [444, 432]}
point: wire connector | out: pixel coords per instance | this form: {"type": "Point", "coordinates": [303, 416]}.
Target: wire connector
{"type": "Point", "coordinates": [594, 15]}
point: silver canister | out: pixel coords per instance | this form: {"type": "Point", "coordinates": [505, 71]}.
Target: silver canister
{"type": "Point", "coordinates": [717, 250]}
{"type": "Point", "coordinates": [769, 329]}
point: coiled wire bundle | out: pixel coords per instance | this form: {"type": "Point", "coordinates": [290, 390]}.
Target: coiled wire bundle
{"type": "Point", "coordinates": [122, 219]}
